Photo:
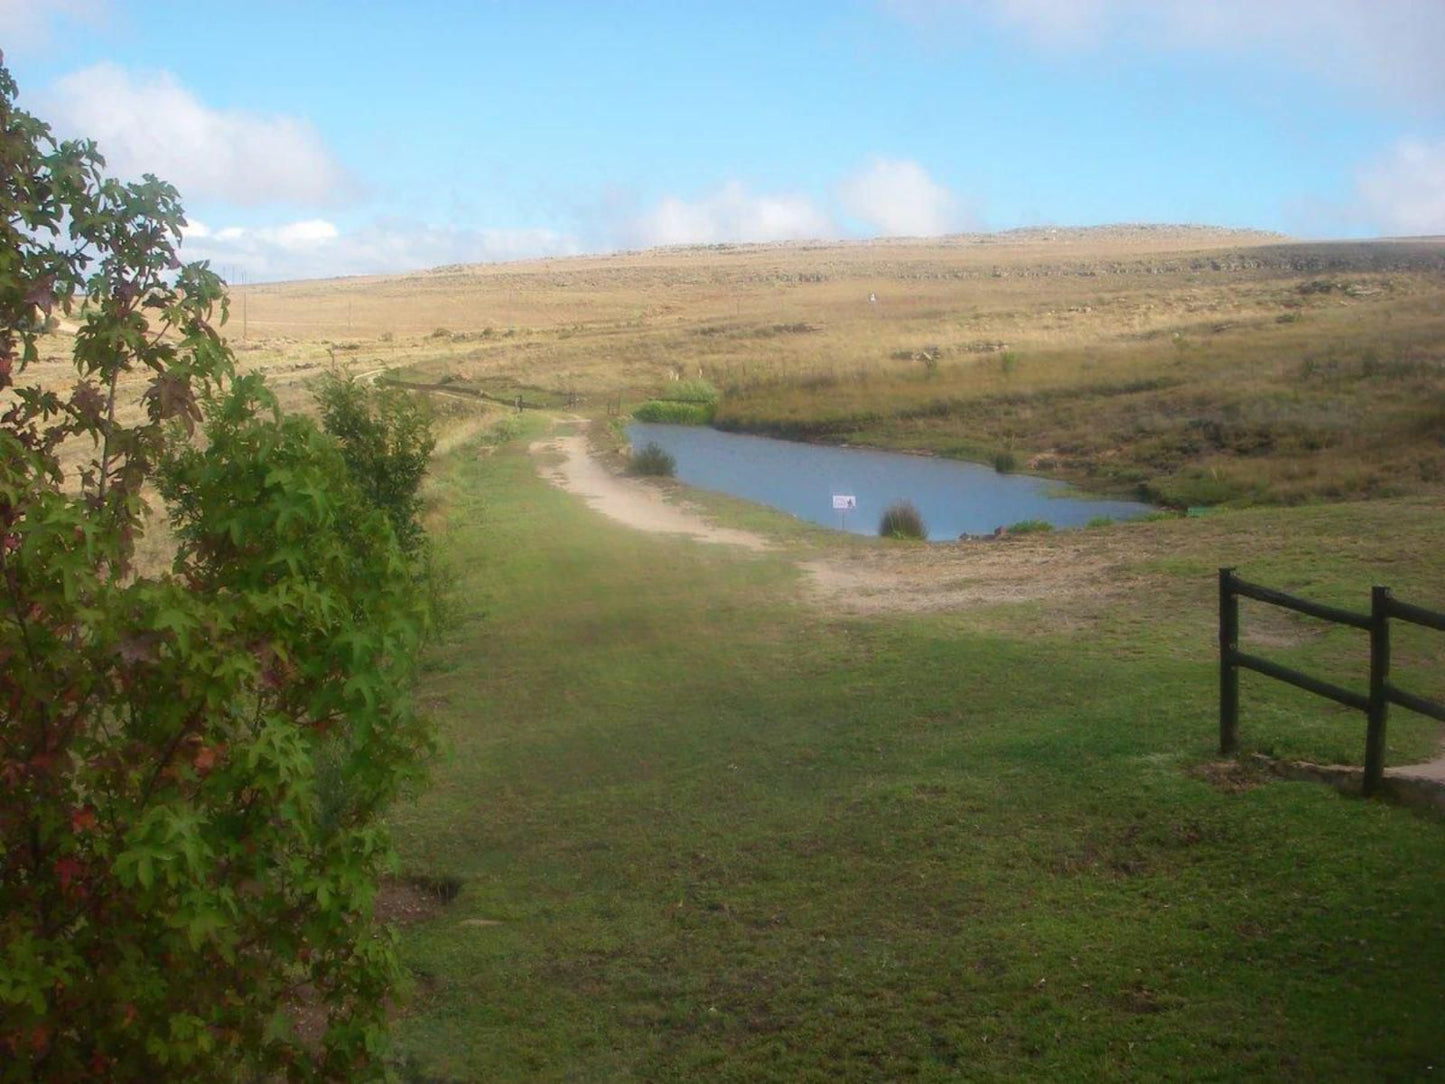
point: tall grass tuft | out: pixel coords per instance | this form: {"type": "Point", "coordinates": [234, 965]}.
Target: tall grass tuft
{"type": "Point", "coordinates": [902, 520]}
{"type": "Point", "coordinates": [693, 391]}
{"type": "Point", "coordinates": [653, 461]}
{"type": "Point", "coordinates": [1030, 526]}
{"type": "Point", "coordinates": [669, 413]}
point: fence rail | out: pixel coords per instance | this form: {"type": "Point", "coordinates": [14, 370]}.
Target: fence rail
{"type": "Point", "coordinates": [516, 401]}
{"type": "Point", "coordinates": [1375, 704]}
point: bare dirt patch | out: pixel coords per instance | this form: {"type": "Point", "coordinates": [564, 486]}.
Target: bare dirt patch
{"type": "Point", "coordinates": [399, 902]}
{"type": "Point", "coordinates": [406, 902]}
{"type": "Point", "coordinates": [1231, 776]}
{"type": "Point", "coordinates": [564, 461]}
{"type": "Point", "coordinates": [964, 575]}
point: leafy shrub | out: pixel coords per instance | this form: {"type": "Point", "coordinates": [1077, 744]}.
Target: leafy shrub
{"type": "Point", "coordinates": [670, 413]}
{"type": "Point", "coordinates": [1100, 521]}
{"type": "Point", "coordinates": [386, 440]}
{"type": "Point", "coordinates": [653, 460]}
{"type": "Point", "coordinates": [505, 428]}
{"type": "Point", "coordinates": [1005, 462]}
{"type": "Point", "coordinates": [1030, 526]}
{"type": "Point", "coordinates": [196, 763]}
{"type": "Point", "coordinates": [901, 519]}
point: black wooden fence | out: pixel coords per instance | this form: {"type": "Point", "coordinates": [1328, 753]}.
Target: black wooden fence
{"type": "Point", "coordinates": [1375, 704]}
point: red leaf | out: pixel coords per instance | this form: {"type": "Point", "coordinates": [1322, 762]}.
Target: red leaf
{"type": "Point", "coordinates": [67, 869]}
{"type": "Point", "coordinates": [42, 293]}
{"type": "Point", "coordinates": [82, 820]}
{"type": "Point", "coordinates": [87, 401]}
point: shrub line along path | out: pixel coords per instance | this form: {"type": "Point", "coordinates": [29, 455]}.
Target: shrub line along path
{"type": "Point", "coordinates": [1004, 574]}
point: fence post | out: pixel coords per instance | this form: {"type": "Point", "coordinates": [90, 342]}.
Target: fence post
{"type": "Point", "coordinates": [1228, 669]}
{"type": "Point", "coordinates": [1379, 703]}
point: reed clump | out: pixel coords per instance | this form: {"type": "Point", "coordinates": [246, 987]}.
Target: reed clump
{"type": "Point", "coordinates": [653, 461]}
{"type": "Point", "coordinates": [901, 519]}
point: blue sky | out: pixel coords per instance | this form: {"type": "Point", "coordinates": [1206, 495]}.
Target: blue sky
{"type": "Point", "coordinates": [316, 138]}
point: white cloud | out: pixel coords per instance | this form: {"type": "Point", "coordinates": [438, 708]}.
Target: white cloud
{"type": "Point", "coordinates": [1391, 48]}
{"type": "Point", "coordinates": [888, 196]}
{"type": "Point", "coordinates": [317, 248]}
{"type": "Point", "coordinates": [1403, 191]}
{"type": "Point", "coordinates": [33, 23]}
{"type": "Point", "coordinates": [897, 198]}
{"type": "Point", "coordinates": [299, 236]}
{"type": "Point", "coordinates": [153, 124]}
{"type": "Point", "coordinates": [729, 214]}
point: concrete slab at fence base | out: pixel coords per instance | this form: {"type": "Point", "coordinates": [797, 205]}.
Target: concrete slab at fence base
{"type": "Point", "coordinates": [1417, 785]}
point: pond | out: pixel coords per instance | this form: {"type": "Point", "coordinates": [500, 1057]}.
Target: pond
{"type": "Point", "coordinates": [953, 497]}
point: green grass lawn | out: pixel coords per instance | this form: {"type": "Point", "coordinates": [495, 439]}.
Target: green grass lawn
{"type": "Point", "coordinates": [729, 835]}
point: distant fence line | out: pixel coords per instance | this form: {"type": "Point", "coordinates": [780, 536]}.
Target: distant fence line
{"type": "Point", "coordinates": [516, 402]}
{"type": "Point", "coordinates": [1375, 704]}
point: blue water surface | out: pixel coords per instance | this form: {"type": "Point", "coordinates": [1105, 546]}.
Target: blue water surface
{"type": "Point", "coordinates": [954, 497]}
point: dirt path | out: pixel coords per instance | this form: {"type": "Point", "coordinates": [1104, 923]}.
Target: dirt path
{"type": "Point", "coordinates": [627, 500]}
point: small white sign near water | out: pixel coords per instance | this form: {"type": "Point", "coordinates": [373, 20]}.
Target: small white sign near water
{"type": "Point", "coordinates": [953, 497]}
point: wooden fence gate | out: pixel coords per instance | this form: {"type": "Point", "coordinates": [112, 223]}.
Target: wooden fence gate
{"type": "Point", "coordinates": [1375, 704]}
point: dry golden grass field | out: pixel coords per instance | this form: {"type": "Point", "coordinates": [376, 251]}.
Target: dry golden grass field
{"type": "Point", "coordinates": [1187, 365]}
{"type": "Point", "coordinates": [1192, 365]}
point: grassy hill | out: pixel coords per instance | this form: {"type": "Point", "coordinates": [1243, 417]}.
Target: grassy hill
{"type": "Point", "coordinates": [1189, 365]}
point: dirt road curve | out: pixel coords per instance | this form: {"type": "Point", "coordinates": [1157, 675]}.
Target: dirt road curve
{"type": "Point", "coordinates": [627, 500]}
